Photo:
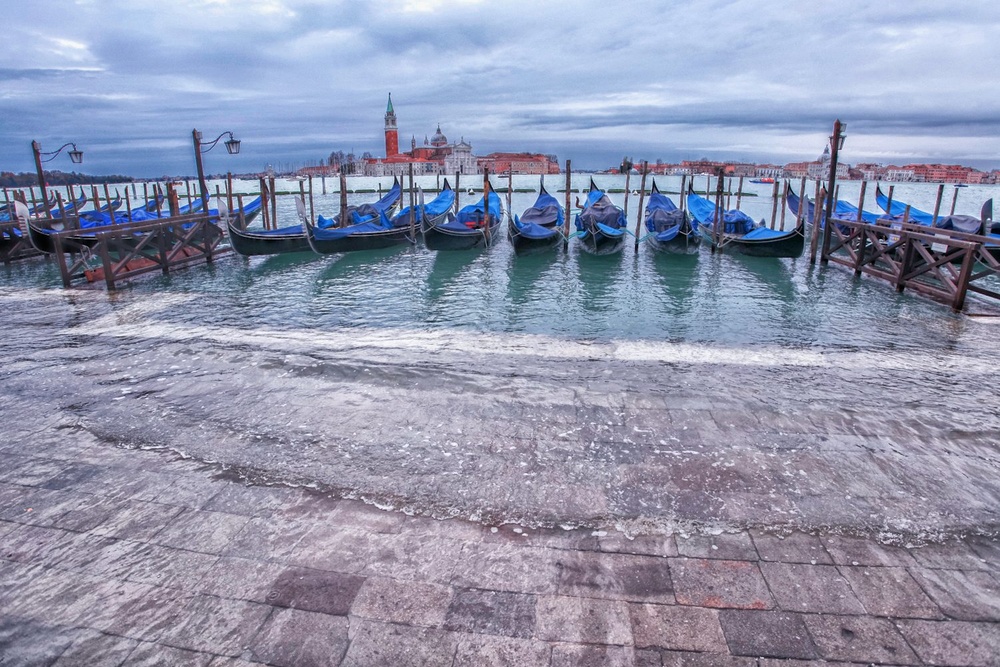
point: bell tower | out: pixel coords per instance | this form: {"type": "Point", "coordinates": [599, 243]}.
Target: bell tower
{"type": "Point", "coordinates": [391, 134]}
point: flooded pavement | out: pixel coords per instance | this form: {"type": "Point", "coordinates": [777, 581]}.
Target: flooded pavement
{"type": "Point", "coordinates": [650, 397]}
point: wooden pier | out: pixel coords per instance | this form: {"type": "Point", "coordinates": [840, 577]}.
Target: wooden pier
{"type": "Point", "coordinates": [942, 264]}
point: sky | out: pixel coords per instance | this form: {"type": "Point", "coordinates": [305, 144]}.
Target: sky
{"type": "Point", "coordinates": [588, 80]}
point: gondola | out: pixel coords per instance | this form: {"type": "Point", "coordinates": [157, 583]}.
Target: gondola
{"type": "Point", "coordinates": [842, 210]}
{"type": "Point", "coordinates": [381, 232]}
{"type": "Point", "coordinates": [37, 209]}
{"type": "Point", "coordinates": [293, 238]}
{"type": "Point", "coordinates": [745, 236]}
{"type": "Point", "coordinates": [539, 227]}
{"type": "Point", "coordinates": [668, 228]}
{"type": "Point", "coordinates": [601, 226]}
{"type": "Point", "coordinates": [466, 230]}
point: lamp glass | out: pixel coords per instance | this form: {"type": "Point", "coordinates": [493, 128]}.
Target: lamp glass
{"type": "Point", "coordinates": [75, 156]}
{"type": "Point", "coordinates": [233, 146]}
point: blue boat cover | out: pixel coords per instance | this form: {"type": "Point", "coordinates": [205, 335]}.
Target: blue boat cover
{"type": "Point", "coordinates": [291, 230]}
{"type": "Point", "coordinates": [917, 216]}
{"type": "Point", "coordinates": [532, 230]}
{"type": "Point", "coordinates": [960, 223]}
{"type": "Point", "coordinates": [734, 222]}
{"type": "Point", "coordinates": [470, 217]}
{"type": "Point", "coordinates": [368, 212]}
{"type": "Point", "coordinates": [434, 208]}
{"type": "Point", "coordinates": [600, 213]}
{"type": "Point", "coordinates": [546, 211]}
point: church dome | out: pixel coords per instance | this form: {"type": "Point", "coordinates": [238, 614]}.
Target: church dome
{"type": "Point", "coordinates": [439, 139]}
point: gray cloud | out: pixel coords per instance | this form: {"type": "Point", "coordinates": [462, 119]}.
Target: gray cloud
{"type": "Point", "coordinates": [295, 79]}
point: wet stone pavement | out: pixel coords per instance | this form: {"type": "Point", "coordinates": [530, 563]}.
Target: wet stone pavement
{"type": "Point", "coordinates": [111, 556]}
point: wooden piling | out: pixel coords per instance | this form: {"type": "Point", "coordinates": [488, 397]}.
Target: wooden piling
{"type": "Point", "coordinates": [774, 203]}
{"type": "Point", "coordinates": [628, 176]}
{"type": "Point", "coordinates": [343, 199]}
{"type": "Point", "coordinates": [719, 219]}
{"type": "Point", "coordinates": [486, 205]}
{"type": "Point", "coordinates": [128, 207]}
{"type": "Point", "coordinates": [413, 202]}
{"type": "Point", "coordinates": [683, 195]}
{"type": "Point", "coordinates": [861, 201]}
{"type": "Point", "coordinates": [954, 200]}
{"type": "Point", "coordinates": [888, 204]}
{"type": "Point", "coordinates": [642, 195]}
{"type": "Point", "coordinates": [312, 207]}
{"type": "Point", "coordinates": [566, 219]}
{"type": "Point", "coordinates": [229, 191]}
{"type": "Point", "coordinates": [817, 216]}
{"type": "Point", "coordinates": [458, 190]}
{"type": "Point", "coordinates": [274, 203]}
{"type": "Point", "coordinates": [937, 203]}
{"type": "Point", "coordinates": [510, 190]}
{"type": "Point", "coordinates": [739, 194]}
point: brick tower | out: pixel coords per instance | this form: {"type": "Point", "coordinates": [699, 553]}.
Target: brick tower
{"type": "Point", "coordinates": [391, 135]}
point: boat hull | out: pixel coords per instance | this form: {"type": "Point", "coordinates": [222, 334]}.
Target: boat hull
{"type": "Point", "coordinates": [791, 245]}
{"type": "Point", "coordinates": [439, 238]}
{"type": "Point", "coordinates": [361, 241]}
{"type": "Point", "coordinates": [597, 243]}
{"type": "Point", "coordinates": [525, 245]}
{"type": "Point", "coordinates": [251, 244]}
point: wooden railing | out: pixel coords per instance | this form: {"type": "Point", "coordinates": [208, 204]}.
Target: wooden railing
{"type": "Point", "coordinates": [942, 264]}
{"type": "Point", "coordinates": [117, 252]}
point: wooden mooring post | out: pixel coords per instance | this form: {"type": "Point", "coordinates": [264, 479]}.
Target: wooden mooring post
{"type": "Point", "coordinates": [567, 211]}
{"type": "Point", "coordinates": [642, 195]}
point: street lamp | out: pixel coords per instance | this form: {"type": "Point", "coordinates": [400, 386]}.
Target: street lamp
{"type": "Point", "coordinates": [75, 156]}
{"type": "Point", "coordinates": [232, 147]}
{"type": "Point", "coordinates": [836, 143]}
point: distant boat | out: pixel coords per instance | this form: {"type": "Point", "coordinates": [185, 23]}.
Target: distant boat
{"type": "Point", "coordinates": [601, 225]}
{"type": "Point", "coordinates": [740, 232]}
{"type": "Point", "coordinates": [762, 180]}
{"type": "Point", "coordinates": [539, 227]}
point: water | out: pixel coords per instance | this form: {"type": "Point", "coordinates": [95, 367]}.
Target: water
{"type": "Point", "coordinates": [642, 392]}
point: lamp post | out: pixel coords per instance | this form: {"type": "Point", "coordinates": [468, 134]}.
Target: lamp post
{"type": "Point", "coordinates": [836, 143]}
{"type": "Point", "coordinates": [75, 156]}
{"type": "Point", "coordinates": [232, 147]}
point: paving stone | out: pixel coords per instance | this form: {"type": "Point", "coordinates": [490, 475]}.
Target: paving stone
{"type": "Point", "coordinates": [216, 625]}
{"type": "Point", "coordinates": [250, 501]}
{"type": "Point", "coordinates": [315, 590]}
{"type": "Point", "coordinates": [732, 584]}
{"type": "Point", "coordinates": [648, 545]}
{"type": "Point", "coordinates": [549, 538]}
{"type": "Point", "coordinates": [890, 591]}
{"type": "Point", "coordinates": [207, 532]}
{"type": "Point", "coordinates": [677, 628]}
{"type": "Point", "coordinates": [954, 643]}
{"type": "Point", "coordinates": [353, 514]}
{"type": "Point", "coordinates": [583, 620]}
{"type": "Point", "coordinates": [506, 567]}
{"type": "Point", "coordinates": [480, 650]}
{"type": "Point", "coordinates": [575, 655]}
{"type": "Point", "coordinates": [491, 612]}
{"type": "Point", "coordinates": [72, 476]}
{"type": "Point", "coordinates": [968, 596]}
{"type": "Point", "coordinates": [88, 514]}
{"type": "Point", "coordinates": [373, 643]}
{"type": "Point", "coordinates": [952, 556]}
{"type": "Point", "coordinates": [987, 548]}
{"type": "Point", "coordinates": [727, 546]}
{"type": "Point", "coordinates": [793, 548]}
{"type": "Point", "coordinates": [264, 539]}
{"type": "Point", "coordinates": [674, 659]}
{"type": "Point", "coordinates": [241, 579]}
{"type": "Point", "coordinates": [409, 602]}
{"type": "Point", "coordinates": [815, 588]}
{"type": "Point", "coordinates": [856, 551]}
{"type": "Point", "coordinates": [136, 519]}
{"type": "Point", "coordinates": [93, 649]}
{"type": "Point", "coordinates": [162, 566]}
{"type": "Point", "coordinates": [859, 639]}
{"type": "Point", "coordinates": [314, 507]}
{"type": "Point", "coordinates": [29, 471]}
{"type": "Point", "coordinates": [135, 610]}
{"type": "Point", "coordinates": [424, 558]}
{"type": "Point", "coordinates": [34, 544]}
{"type": "Point", "coordinates": [40, 507]}
{"type": "Point", "coordinates": [335, 549]}
{"type": "Point", "coordinates": [32, 642]}
{"type": "Point", "coordinates": [774, 634]}
{"type": "Point", "coordinates": [293, 638]}
{"type": "Point", "coordinates": [157, 655]}
{"type": "Point", "coordinates": [616, 577]}
{"type": "Point", "coordinates": [771, 662]}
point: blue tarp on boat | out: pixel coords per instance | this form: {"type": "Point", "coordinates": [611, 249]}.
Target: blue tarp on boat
{"type": "Point", "coordinates": [471, 216]}
{"type": "Point", "coordinates": [734, 221]}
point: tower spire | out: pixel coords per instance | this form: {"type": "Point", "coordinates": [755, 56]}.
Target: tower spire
{"type": "Point", "coordinates": [391, 134]}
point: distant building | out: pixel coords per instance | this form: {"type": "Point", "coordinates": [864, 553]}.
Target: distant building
{"type": "Point", "coordinates": [437, 156]}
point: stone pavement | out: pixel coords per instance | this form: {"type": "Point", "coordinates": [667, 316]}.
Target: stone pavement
{"type": "Point", "coordinates": [122, 557]}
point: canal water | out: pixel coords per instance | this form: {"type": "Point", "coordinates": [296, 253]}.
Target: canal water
{"type": "Point", "coordinates": [640, 392]}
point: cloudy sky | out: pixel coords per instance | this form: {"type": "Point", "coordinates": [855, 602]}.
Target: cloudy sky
{"type": "Point", "coordinates": [589, 80]}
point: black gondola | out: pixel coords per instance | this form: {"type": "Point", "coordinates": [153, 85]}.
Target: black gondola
{"type": "Point", "coordinates": [742, 234]}
{"type": "Point", "coordinates": [601, 226]}
{"type": "Point", "coordinates": [668, 228]}
{"type": "Point", "coordinates": [464, 231]}
{"type": "Point", "coordinates": [539, 228]}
